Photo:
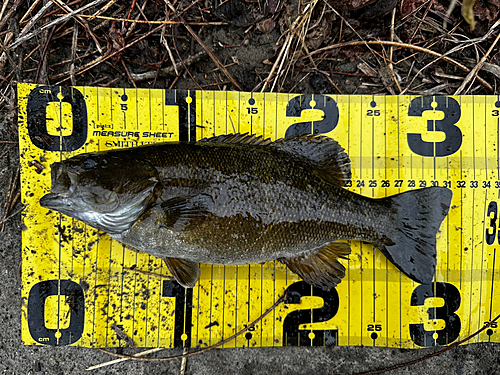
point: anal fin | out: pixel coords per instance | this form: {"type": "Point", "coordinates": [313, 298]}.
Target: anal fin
{"type": "Point", "coordinates": [184, 271]}
{"type": "Point", "coordinates": [321, 269]}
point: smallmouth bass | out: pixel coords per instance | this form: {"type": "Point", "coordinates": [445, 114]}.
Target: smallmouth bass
{"type": "Point", "coordinates": [240, 199]}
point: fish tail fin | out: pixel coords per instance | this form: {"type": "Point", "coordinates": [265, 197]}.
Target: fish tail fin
{"type": "Point", "coordinates": [410, 239]}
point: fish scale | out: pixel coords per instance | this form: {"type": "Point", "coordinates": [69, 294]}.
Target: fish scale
{"type": "Point", "coordinates": [240, 199]}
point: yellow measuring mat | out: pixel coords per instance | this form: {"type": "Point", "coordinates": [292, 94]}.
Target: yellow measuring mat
{"type": "Point", "coordinates": [81, 287]}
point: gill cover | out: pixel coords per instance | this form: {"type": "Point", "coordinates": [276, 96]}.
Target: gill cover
{"type": "Point", "coordinates": [105, 191]}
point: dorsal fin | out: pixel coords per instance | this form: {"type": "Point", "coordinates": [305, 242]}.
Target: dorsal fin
{"type": "Point", "coordinates": [331, 160]}
{"type": "Point", "coordinates": [242, 139]}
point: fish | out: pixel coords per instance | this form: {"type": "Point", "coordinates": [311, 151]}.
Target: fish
{"type": "Point", "coordinates": [242, 199]}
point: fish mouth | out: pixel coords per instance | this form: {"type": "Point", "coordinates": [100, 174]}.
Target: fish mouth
{"type": "Point", "coordinates": [55, 201]}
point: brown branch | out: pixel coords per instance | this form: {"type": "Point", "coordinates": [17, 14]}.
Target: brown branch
{"type": "Point", "coordinates": [154, 22]}
{"type": "Point", "coordinates": [406, 364]}
{"type": "Point", "coordinates": [268, 311]}
{"type": "Point", "coordinates": [473, 72]}
{"type": "Point", "coordinates": [104, 58]}
{"type": "Point", "coordinates": [9, 14]}
{"type": "Point", "coordinates": [207, 50]}
{"type": "Point", "coordinates": [404, 45]}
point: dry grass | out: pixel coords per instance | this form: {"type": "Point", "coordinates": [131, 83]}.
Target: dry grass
{"type": "Point", "coordinates": [143, 44]}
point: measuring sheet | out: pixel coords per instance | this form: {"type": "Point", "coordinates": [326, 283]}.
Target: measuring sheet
{"type": "Point", "coordinates": [78, 283]}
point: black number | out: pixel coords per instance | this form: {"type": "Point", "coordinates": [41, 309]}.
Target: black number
{"type": "Point", "coordinates": [374, 327]}
{"type": "Point", "coordinates": [434, 183]}
{"type": "Point", "coordinates": [474, 184]}
{"type": "Point", "coordinates": [486, 184]}
{"type": "Point", "coordinates": [491, 231]}
{"type": "Point", "coordinates": [497, 184]}
{"type": "Point", "coordinates": [324, 103]}
{"type": "Point", "coordinates": [372, 183]}
{"type": "Point", "coordinates": [422, 183]}
{"type": "Point", "coordinates": [372, 112]}
{"type": "Point", "coordinates": [450, 332]}
{"type": "Point", "coordinates": [493, 325]}
{"type": "Point", "coordinates": [36, 116]}
{"type": "Point", "coordinates": [495, 113]}
{"type": "Point", "coordinates": [348, 183]}
{"type": "Point", "coordinates": [36, 312]}
{"type": "Point", "coordinates": [252, 111]}
{"type": "Point", "coordinates": [185, 100]}
{"type": "Point", "coordinates": [123, 107]}
{"type": "Point", "coordinates": [183, 311]}
{"type": "Point", "coordinates": [386, 183]}
{"type": "Point", "coordinates": [452, 113]}
{"type": "Point", "coordinates": [411, 183]}
{"type": "Point", "coordinates": [447, 184]}
{"type": "Point", "coordinates": [360, 183]}
{"type": "Point", "coordinates": [461, 184]}
{"type": "Point", "coordinates": [292, 335]}
{"type": "Point", "coordinates": [398, 183]}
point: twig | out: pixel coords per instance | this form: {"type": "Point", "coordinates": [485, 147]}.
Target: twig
{"type": "Point", "coordinates": [163, 41]}
{"type": "Point", "coordinates": [122, 335]}
{"type": "Point", "coordinates": [74, 43]}
{"type": "Point", "coordinates": [3, 221]}
{"type": "Point", "coordinates": [14, 201]}
{"type": "Point", "coordinates": [114, 361]}
{"type": "Point", "coordinates": [169, 22]}
{"type": "Point", "coordinates": [8, 198]}
{"type": "Point", "coordinates": [141, 13]}
{"type": "Point", "coordinates": [102, 10]}
{"type": "Point", "coordinates": [473, 72]}
{"type": "Point", "coordinates": [35, 18]}
{"type": "Point", "coordinates": [405, 45]}
{"type": "Point", "coordinates": [101, 59]}
{"type": "Point", "coordinates": [391, 68]}
{"type": "Point", "coordinates": [85, 24]}
{"type": "Point", "coordinates": [132, 6]}
{"type": "Point", "coordinates": [422, 20]}
{"type": "Point", "coordinates": [4, 6]}
{"type": "Point", "coordinates": [331, 82]}
{"type": "Point", "coordinates": [42, 64]}
{"type": "Point", "coordinates": [57, 21]}
{"type": "Point", "coordinates": [28, 12]}
{"type": "Point", "coordinates": [128, 74]}
{"type": "Point", "coordinates": [207, 50]}
{"type": "Point", "coordinates": [183, 64]}
{"type": "Point", "coordinates": [430, 355]}
{"type": "Point", "coordinates": [220, 343]}
{"type": "Point", "coordinates": [9, 14]}
{"type": "Point", "coordinates": [151, 74]}
{"type": "Point", "coordinates": [184, 361]}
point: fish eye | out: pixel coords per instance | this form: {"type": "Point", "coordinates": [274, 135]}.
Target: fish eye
{"type": "Point", "coordinates": [89, 163]}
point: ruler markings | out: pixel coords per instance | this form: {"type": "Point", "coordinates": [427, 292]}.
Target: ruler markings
{"type": "Point", "coordinates": [492, 287]}
{"type": "Point", "coordinates": [472, 262]}
{"type": "Point", "coordinates": [77, 263]}
{"type": "Point", "coordinates": [485, 140]}
{"type": "Point", "coordinates": [461, 222]}
{"type": "Point", "coordinates": [474, 140]}
{"type": "Point", "coordinates": [482, 260]}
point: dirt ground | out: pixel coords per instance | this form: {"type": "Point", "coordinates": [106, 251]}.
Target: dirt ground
{"type": "Point", "coordinates": [327, 54]}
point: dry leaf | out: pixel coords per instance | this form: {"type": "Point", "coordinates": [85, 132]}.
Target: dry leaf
{"type": "Point", "coordinates": [468, 13]}
{"type": "Point", "coordinates": [365, 69]}
{"type": "Point", "coordinates": [266, 26]}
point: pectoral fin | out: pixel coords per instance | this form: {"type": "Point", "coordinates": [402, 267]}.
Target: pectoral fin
{"type": "Point", "coordinates": [182, 212]}
{"type": "Point", "coordinates": [321, 269]}
{"type": "Point", "coordinates": [184, 271]}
